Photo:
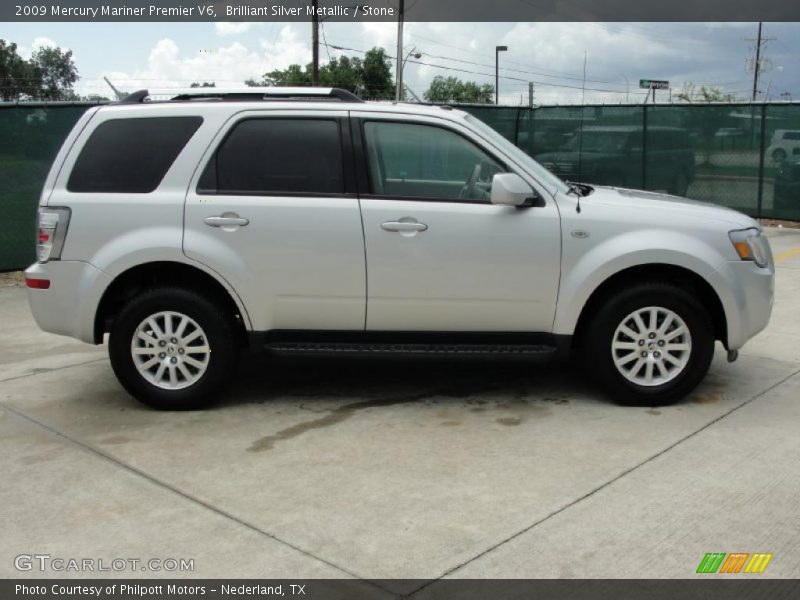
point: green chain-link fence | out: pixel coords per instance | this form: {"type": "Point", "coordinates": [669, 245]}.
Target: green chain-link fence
{"type": "Point", "coordinates": [746, 156]}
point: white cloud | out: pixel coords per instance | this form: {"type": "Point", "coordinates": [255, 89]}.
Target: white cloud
{"type": "Point", "coordinates": [229, 66]}
{"type": "Point", "coordinates": [227, 28]}
{"type": "Point", "coordinates": [43, 42]}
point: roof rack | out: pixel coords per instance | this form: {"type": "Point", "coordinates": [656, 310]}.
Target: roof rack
{"type": "Point", "coordinates": [240, 94]}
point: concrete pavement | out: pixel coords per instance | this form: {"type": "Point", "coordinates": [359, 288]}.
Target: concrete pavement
{"type": "Point", "coordinates": [402, 470]}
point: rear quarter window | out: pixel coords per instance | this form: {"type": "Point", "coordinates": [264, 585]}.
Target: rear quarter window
{"type": "Point", "coordinates": [130, 155]}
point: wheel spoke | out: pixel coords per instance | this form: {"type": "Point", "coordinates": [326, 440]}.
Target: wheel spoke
{"type": "Point", "coordinates": [197, 350]}
{"type": "Point", "coordinates": [168, 324]}
{"type": "Point", "coordinates": [146, 338]}
{"type": "Point", "coordinates": [154, 326]}
{"type": "Point", "coordinates": [648, 371]}
{"type": "Point", "coordinates": [181, 327]}
{"type": "Point", "coordinates": [184, 371]}
{"type": "Point", "coordinates": [639, 323]}
{"type": "Point", "coordinates": [192, 336]}
{"type": "Point", "coordinates": [195, 363]}
{"type": "Point", "coordinates": [147, 365]}
{"type": "Point", "coordinates": [670, 335]}
{"type": "Point", "coordinates": [662, 370]}
{"type": "Point", "coordinates": [674, 360]}
{"type": "Point", "coordinates": [653, 319]}
{"type": "Point", "coordinates": [624, 360]}
{"type": "Point", "coordinates": [173, 375]}
{"type": "Point", "coordinates": [145, 351]}
{"type": "Point", "coordinates": [628, 331]}
{"type": "Point", "coordinates": [668, 320]}
{"type": "Point", "coordinates": [160, 372]}
{"type": "Point", "coordinates": [678, 347]}
{"type": "Point", "coordinates": [625, 345]}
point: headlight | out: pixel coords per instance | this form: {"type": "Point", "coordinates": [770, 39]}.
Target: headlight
{"type": "Point", "coordinates": [750, 244]}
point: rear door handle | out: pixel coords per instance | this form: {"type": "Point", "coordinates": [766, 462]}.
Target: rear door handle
{"type": "Point", "coordinates": [403, 226]}
{"type": "Point", "coordinates": [226, 221]}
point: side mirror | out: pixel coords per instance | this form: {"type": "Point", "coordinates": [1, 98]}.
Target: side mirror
{"type": "Point", "coordinates": [509, 189]}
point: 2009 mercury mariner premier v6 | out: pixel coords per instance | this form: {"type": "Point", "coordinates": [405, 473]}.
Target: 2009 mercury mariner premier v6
{"type": "Point", "coordinates": [311, 223]}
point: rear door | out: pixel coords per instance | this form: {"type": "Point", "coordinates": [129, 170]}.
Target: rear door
{"type": "Point", "coordinates": [273, 209]}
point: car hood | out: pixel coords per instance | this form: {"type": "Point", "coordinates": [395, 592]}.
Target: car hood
{"type": "Point", "coordinates": [655, 202]}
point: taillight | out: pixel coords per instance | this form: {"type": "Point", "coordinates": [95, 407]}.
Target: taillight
{"type": "Point", "coordinates": [51, 232]}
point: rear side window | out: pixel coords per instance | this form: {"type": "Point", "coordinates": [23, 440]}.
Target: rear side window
{"type": "Point", "coordinates": [277, 156]}
{"type": "Point", "coordinates": [130, 155]}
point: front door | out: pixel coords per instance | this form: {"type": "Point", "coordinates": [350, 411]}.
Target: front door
{"type": "Point", "coordinates": [440, 256]}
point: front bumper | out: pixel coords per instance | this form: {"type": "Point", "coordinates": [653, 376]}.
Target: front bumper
{"type": "Point", "coordinates": [69, 305]}
{"type": "Point", "coordinates": [748, 296]}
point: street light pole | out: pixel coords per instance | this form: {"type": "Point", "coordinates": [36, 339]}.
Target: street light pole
{"type": "Point", "coordinates": [398, 94]}
{"type": "Point", "coordinates": [497, 51]}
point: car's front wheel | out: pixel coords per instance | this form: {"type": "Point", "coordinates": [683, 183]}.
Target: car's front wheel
{"type": "Point", "coordinates": [650, 344]}
{"type": "Point", "coordinates": [173, 348]}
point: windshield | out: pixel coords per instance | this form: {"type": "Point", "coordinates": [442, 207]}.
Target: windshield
{"type": "Point", "coordinates": [598, 141]}
{"type": "Point", "coordinates": [537, 170]}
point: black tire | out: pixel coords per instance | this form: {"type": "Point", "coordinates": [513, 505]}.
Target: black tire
{"type": "Point", "coordinates": [779, 155]}
{"type": "Point", "coordinates": [617, 307]}
{"type": "Point", "coordinates": [219, 328]}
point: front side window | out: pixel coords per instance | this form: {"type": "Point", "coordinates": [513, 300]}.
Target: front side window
{"type": "Point", "coordinates": [272, 156]}
{"type": "Point", "coordinates": [409, 160]}
{"type": "Point", "coordinates": [130, 155]}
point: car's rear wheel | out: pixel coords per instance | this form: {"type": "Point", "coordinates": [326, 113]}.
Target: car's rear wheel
{"type": "Point", "coordinates": [650, 344]}
{"type": "Point", "coordinates": [161, 348]}
{"type": "Point", "coordinates": [779, 155]}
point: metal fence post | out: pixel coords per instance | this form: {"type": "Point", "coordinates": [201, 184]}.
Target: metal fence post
{"type": "Point", "coordinates": [759, 205]}
{"type": "Point", "coordinates": [644, 147]}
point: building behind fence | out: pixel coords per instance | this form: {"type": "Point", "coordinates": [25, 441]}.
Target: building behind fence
{"type": "Point", "coordinates": [745, 156]}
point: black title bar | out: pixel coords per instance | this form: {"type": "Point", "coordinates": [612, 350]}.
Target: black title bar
{"type": "Point", "coordinates": [389, 10]}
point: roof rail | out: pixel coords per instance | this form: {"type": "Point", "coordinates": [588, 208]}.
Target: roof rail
{"type": "Point", "coordinates": [247, 93]}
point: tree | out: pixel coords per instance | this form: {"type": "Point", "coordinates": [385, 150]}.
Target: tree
{"type": "Point", "coordinates": [55, 72]}
{"type": "Point", "coordinates": [204, 84]}
{"type": "Point", "coordinates": [691, 94]}
{"type": "Point", "coordinates": [377, 75]}
{"type": "Point", "coordinates": [452, 89]}
{"type": "Point", "coordinates": [370, 77]}
{"type": "Point", "coordinates": [16, 75]}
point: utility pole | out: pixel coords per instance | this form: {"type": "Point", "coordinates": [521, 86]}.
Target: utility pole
{"type": "Point", "coordinates": [314, 43]}
{"type": "Point", "coordinates": [398, 95]}
{"type": "Point", "coordinates": [497, 51]}
{"type": "Point", "coordinates": [759, 63]}
{"type": "Point", "coordinates": [530, 94]}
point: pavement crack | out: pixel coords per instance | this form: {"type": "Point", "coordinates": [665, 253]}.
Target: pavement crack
{"type": "Point", "coordinates": [611, 481]}
{"type": "Point", "coordinates": [41, 371]}
{"type": "Point", "coordinates": [185, 495]}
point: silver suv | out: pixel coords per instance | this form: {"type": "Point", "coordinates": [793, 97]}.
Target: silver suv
{"type": "Point", "coordinates": [307, 222]}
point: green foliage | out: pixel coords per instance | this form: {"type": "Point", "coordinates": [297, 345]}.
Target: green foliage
{"type": "Point", "coordinates": [50, 74]}
{"type": "Point", "coordinates": [453, 90]}
{"type": "Point", "coordinates": [691, 94]}
{"type": "Point", "coordinates": [204, 84]}
{"type": "Point", "coordinates": [370, 77]}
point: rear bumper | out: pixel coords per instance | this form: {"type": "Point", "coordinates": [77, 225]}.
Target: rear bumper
{"type": "Point", "coordinates": [69, 305]}
{"type": "Point", "coordinates": [748, 299]}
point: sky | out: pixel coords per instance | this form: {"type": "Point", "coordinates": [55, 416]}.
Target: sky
{"type": "Point", "coordinates": [617, 55]}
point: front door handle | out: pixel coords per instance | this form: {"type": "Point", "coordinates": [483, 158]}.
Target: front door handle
{"type": "Point", "coordinates": [226, 220]}
{"type": "Point", "coordinates": [403, 226]}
